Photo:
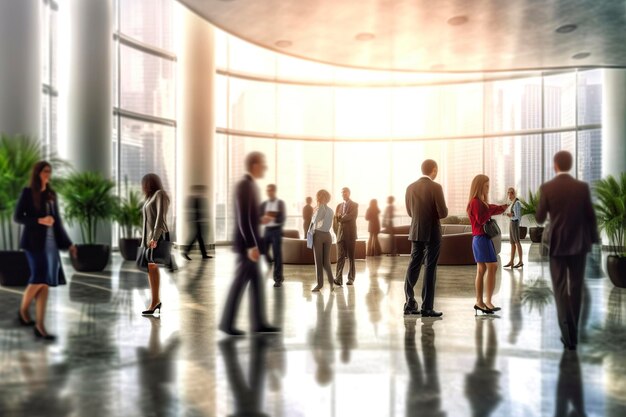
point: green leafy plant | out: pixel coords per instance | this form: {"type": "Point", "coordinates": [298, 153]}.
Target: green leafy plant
{"type": "Point", "coordinates": [88, 199]}
{"type": "Point", "coordinates": [128, 212]}
{"type": "Point", "coordinates": [611, 211]}
{"type": "Point", "coordinates": [529, 206]}
{"type": "Point", "coordinates": [18, 155]}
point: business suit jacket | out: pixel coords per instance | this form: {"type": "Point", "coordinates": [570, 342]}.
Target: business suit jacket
{"type": "Point", "coordinates": [280, 216]}
{"type": "Point", "coordinates": [247, 216]}
{"type": "Point", "coordinates": [34, 234]}
{"type": "Point", "coordinates": [426, 205]}
{"type": "Point", "coordinates": [573, 226]}
{"type": "Point", "coordinates": [154, 215]}
{"type": "Point", "coordinates": [345, 227]}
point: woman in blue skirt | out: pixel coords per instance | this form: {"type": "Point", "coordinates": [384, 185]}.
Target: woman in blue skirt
{"type": "Point", "coordinates": [38, 211]}
{"type": "Point", "coordinates": [480, 211]}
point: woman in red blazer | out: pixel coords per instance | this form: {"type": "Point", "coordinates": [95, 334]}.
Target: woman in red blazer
{"type": "Point", "coordinates": [479, 212]}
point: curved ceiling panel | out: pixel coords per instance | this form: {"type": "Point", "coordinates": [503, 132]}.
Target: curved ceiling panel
{"type": "Point", "coordinates": [431, 35]}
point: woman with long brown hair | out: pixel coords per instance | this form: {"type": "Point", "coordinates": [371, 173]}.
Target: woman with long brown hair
{"type": "Point", "coordinates": [372, 216]}
{"type": "Point", "coordinates": [154, 230]}
{"type": "Point", "coordinates": [479, 212]}
{"type": "Point", "coordinates": [38, 210]}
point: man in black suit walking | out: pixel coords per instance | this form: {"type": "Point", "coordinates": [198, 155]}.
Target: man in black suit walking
{"type": "Point", "coordinates": [344, 224]}
{"type": "Point", "coordinates": [573, 229]}
{"type": "Point", "coordinates": [425, 204]}
{"type": "Point", "coordinates": [248, 246]}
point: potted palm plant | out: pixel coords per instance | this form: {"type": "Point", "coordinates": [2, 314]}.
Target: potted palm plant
{"type": "Point", "coordinates": [611, 213]}
{"type": "Point", "coordinates": [529, 209]}
{"type": "Point", "coordinates": [88, 200]}
{"type": "Point", "coordinates": [18, 154]}
{"type": "Point", "coordinates": [128, 215]}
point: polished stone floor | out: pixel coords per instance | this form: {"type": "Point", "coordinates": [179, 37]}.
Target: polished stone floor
{"type": "Point", "coordinates": [350, 353]}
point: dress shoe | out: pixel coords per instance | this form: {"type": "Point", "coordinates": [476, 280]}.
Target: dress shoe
{"type": "Point", "coordinates": [317, 289]}
{"type": "Point", "coordinates": [519, 265]}
{"type": "Point", "coordinates": [337, 282]}
{"type": "Point", "coordinates": [431, 313]}
{"type": "Point", "coordinates": [186, 257]}
{"type": "Point", "coordinates": [567, 345]}
{"type": "Point", "coordinates": [411, 312]}
{"type": "Point", "coordinates": [278, 284]}
{"type": "Point", "coordinates": [484, 310]}
{"type": "Point", "coordinates": [151, 312]}
{"type": "Point", "coordinates": [494, 309]}
{"type": "Point", "coordinates": [43, 336]}
{"type": "Point", "coordinates": [232, 331]}
{"type": "Point", "coordinates": [24, 322]}
{"type": "Point", "coordinates": [350, 282]}
{"type": "Point", "coordinates": [207, 257]}
{"type": "Point", "coordinates": [268, 329]}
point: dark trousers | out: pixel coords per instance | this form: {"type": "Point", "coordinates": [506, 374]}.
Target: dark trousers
{"type": "Point", "coordinates": [246, 272]}
{"type": "Point", "coordinates": [346, 250]}
{"type": "Point", "coordinates": [273, 238]}
{"type": "Point", "coordinates": [419, 251]}
{"type": "Point", "coordinates": [567, 281]}
{"type": "Point", "coordinates": [198, 237]}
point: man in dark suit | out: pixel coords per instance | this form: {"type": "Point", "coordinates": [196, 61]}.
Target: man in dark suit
{"type": "Point", "coordinates": [248, 246]}
{"type": "Point", "coordinates": [344, 225]}
{"type": "Point", "coordinates": [425, 205]}
{"type": "Point", "coordinates": [196, 205]}
{"type": "Point", "coordinates": [274, 208]}
{"type": "Point", "coordinates": [307, 215]}
{"type": "Point", "coordinates": [572, 231]}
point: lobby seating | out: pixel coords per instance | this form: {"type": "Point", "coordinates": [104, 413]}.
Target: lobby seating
{"type": "Point", "coordinates": [295, 251]}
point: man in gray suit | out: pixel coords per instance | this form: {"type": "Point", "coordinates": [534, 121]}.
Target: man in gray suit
{"type": "Point", "coordinates": [425, 205]}
{"type": "Point", "coordinates": [344, 225]}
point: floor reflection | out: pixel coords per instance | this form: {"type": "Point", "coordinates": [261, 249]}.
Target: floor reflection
{"type": "Point", "coordinates": [570, 399]}
{"type": "Point", "coordinates": [482, 385]}
{"type": "Point", "coordinates": [321, 340]}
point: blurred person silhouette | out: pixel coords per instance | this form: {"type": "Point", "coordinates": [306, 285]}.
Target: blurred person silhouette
{"type": "Point", "coordinates": [388, 224]}
{"type": "Point", "coordinates": [426, 205]}
{"type": "Point", "coordinates": [570, 398]}
{"type": "Point", "coordinates": [515, 306]}
{"type": "Point", "coordinates": [322, 240]}
{"type": "Point", "coordinates": [307, 215]}
{"type": "Point", "coordinates": [37, 209]}
{"type": "Point", "coordinates": [197, 212]}
{"type": "Point", "coordinates": [482, 385]}
{"type": "Point", "coordinates": [248, 246]}
{"type": "Point", "coordinates": [572, 231]}
{"type": "Point", "coordinates": [372, 216]}
{"type": "Point", "coordinates": [321, 340]}
{"type": "Point", "coordinates": [346, 324]}
{"type": "Point", "coordinates": [515, 214]}
{"type": "Point", "coordinates": [423, 397]}
{"type": "Point", "coordinates": [374, 295]}
{"type": "Point", "coordinates": [276, 357]}
{"type": "Point", "coordinates": [274, 210]}
{"type": "Point", "coordinates": [344, 225]}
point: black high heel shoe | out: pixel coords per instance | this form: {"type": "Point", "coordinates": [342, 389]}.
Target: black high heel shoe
{"type": "Point", "coordinates": [24, 322]}
{"type": "Point", "coordinates": [151, 312]}
{"type": "Point", "coordinates": [317, 289]}
{"type": "Point", "coordinates": [40, 335]}
{"type": "Point", "coordinates": [484, 310]}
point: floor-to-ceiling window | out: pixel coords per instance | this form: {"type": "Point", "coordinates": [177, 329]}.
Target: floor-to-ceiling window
{"type": "Point", "coordinates": [49, 13]}
{"type": "Point", "coordinates": [329, 127]}
{"type": "Point", "coordinates": [144, 126]}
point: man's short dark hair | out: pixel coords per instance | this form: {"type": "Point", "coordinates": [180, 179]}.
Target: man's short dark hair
{"type": "Point", "coordinates": [271, 187]}
{"type": "Point", "coordinates": [309, 199]}
{"type": "Point", "coordinates": [428, 166]}
{"type": "Point", "coordinates": [345, 189]}
{"type": "Point", "coordinates": [563, 160]}
{"type": "Point", "coordinates": [253, 158]}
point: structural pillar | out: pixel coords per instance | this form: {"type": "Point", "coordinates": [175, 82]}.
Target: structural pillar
{"type": "Point", "coordinates": [613, 122]}
{"type": "Point", "coordinates": [195, 117]}
{"type": "Point", "coordinates": [89, 103]}
{"type": "Point", "coordinates": [20, 67]}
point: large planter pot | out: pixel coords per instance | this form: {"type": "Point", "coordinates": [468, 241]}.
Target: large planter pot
{"type": "Point", "coordinates": [616, 268]}
{"type": "Point", "coordinates": [129, 247]}
{"type": "Point", "coordinates": [91, 258]}
{"type": "Point", "coordinates": [523, 230]}
{"type": "Point", "coordinates": [535, 234]}
{"type": "Point", "coordinates": [14, 269]}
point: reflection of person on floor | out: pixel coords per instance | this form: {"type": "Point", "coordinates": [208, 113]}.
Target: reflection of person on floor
{"type": "Point", "coordinates": [482, 385]}
{"type": "Point", "coordinates": [346, 324]}
{"type": "Point", "coordinates": [515, 307]}
{"type": "Point", "coordinates": [423, 392]}
{"type": "Point", "coordinates": [569, 389]}
{"type": "Point", "coordinates": [276, 361]}
{"type": "Point", "coordinates": [322, 341]}
{"type": "Point", "coordinates": [375, 294]}
{"type": "Point", "coordinates": [248, 395]}
{"type": "Point", "coordinates": [156, 371]}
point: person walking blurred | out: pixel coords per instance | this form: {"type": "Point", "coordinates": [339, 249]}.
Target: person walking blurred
{"type": "Point", "coordinates": [196, 205]}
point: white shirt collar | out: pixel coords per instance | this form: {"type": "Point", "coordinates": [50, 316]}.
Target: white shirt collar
{"type": "Point", "coordinates": [426, 176]}
{"type": "Point", "coordinates": [562, 173]}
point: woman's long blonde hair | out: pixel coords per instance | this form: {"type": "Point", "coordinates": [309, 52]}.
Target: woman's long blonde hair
{"type": "Point", "coordinates": [323, 197]}
{"type": "Point", "coordinates": [476, 189]}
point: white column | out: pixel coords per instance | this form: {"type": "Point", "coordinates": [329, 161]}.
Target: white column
{"type": "Point", "coordinates": [89, 80]}
{"type": "Point", "coordinates": [20, 67]}
{"type": "Point", "coordinates": [195, 116]}
{"type": "Point", "coordinates": [613, 122]}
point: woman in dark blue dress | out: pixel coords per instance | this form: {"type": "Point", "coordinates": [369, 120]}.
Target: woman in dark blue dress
{"type": "Point", "coordinates": [38, 211]}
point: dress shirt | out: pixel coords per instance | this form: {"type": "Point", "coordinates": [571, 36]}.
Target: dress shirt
{"type": "Point", "coordinates": [272, 205]}
{"type": "Point", "coordinates": [516, 209]}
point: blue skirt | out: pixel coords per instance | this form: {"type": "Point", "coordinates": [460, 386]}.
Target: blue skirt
{"type": "Point", "coordinates": [45, 266]}
{"type": "Point", "coordinates": [484, 251]}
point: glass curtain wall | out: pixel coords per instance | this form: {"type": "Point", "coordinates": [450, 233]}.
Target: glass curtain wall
{"type": "Point", "coordinates": [328, 127]}
{"type": "Point", "coordinates": [49, 13]}
{"type": "Point", "coordinates": [144, 126]}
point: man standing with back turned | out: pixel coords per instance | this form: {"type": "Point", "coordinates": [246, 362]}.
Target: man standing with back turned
{"type": "Point", "coordinates": [573, 229]}
{"type": "Point", "coordinates": [425, 205]}
{"type": "Point", "coordinates": [344, 225]}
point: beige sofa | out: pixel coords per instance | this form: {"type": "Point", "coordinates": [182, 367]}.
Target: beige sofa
{"type": "Point", "coordinates": [295, 251]}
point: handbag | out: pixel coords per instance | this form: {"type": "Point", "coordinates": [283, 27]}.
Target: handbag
{"type": "Point", "coordinates": [491, 228]}
{"type": "Point", "coordinates": [161, 255]}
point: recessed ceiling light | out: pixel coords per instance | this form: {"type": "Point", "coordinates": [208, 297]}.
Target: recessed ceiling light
{"type": "Point", "coordinates": [283, 43]}
{"type": "Point", "coordinates": [566, 28]}
{"type": "Point", "coordinates": [364, 36]}
{"type": "Point", "coordinates": [581, 55]}
{"type": "Point", "coordinates": [458, 20]}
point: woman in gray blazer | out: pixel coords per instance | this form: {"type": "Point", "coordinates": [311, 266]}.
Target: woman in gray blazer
{"type": "Point", "coordinates": [154, 230]}
{"type": "Point", "coordinates": [322, 240]}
